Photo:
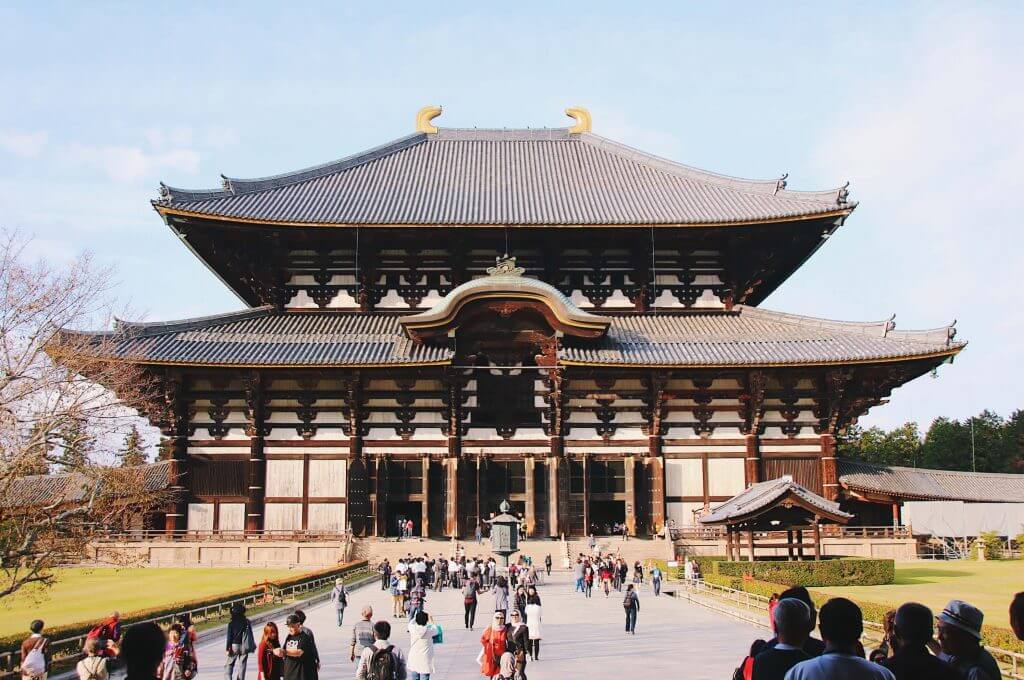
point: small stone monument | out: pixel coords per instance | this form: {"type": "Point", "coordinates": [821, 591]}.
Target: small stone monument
{"type": "Point", "coordinates": [504, 533]}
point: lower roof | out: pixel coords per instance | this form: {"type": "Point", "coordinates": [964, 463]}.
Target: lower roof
{"type": "Point", "coordinates": [903, 483]}
{"type": "Point", "coordinates": [742, 337]}
{"type": "Point", "coordinates": [34, 491]}
{"type": "Point", "coordinates": [759, 498]}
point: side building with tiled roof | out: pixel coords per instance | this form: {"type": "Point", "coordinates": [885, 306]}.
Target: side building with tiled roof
{"type": "Point", "coordinates": [461, 317]}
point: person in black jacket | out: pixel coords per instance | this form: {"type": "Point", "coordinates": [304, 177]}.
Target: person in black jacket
{"type": "Point", "coordinates": [240, 643]}
{"type": "Point", "coordinates": [913, 627]}
{"type": "Point", "coordinates": [791, 618]}
{"type": "Point", "coordinates": [813, 647]}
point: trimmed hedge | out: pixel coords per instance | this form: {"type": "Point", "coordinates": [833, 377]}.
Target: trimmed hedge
{"type": "Point", "coordinates": [70, 630]}
{"type": "Point", "coordinates": [838, 572]}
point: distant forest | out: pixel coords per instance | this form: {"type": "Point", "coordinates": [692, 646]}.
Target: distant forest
{"type": "Point", "coordinates": [946, 445]}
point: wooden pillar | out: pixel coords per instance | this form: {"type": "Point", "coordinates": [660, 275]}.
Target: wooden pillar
{"type": "Point", "coordinates": [586, 494]}
{"type": "Point", "coordinates": [800, 545]}
{"type": "Point", "coordinates": [752, 462]}
{"type": "Point", "coordinates": [425, 505]}
{"type": "Point", "coordinates": [817, 540]}
{"type": "Point", "coordinates": [895, 515]}
{"type": "Point", "coordinates": [750, 543]}
{"type": "Point", "coordinates": [657, 473]}
{"type": "Point", "coordinates": [553, 496]}
{"type": "Point", "coordinates": [482, 510]}
{"type": "Point", "coordinates": [451, 501]}
{"type": "Point", "coordinates": [383, 487]}
{"type": "Point", "coordinates": [630, 463]}
{"type": "Point", "coordinates": [256, 467]}
{"type": "Point", "coordinates": [176, 429]}
{"type": "Point", "coordinates": [789, 543]}
{"type": "Point", "coordinates": [531, 502]}
{"type": "Point", "coordinates": [829, 476]}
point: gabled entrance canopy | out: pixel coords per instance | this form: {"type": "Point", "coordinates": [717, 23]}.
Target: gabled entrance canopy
{"type": "Point", "coordinates": [504, 292]}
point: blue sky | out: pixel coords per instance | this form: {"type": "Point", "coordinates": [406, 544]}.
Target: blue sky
{"type": "Point", "coordinates": [919, 106]}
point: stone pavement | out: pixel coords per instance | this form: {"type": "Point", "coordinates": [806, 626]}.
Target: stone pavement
{"type": "Point", "coordinates": [583, 638]}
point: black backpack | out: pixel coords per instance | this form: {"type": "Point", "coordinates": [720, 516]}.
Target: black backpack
{"type": "Point", "coordinates": [382, 665]}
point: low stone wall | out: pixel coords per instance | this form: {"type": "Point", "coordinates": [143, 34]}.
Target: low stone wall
{"type": "Point", "coordinates": [899, 549]}
{"type": "Point", "coordinates": [223, 553]}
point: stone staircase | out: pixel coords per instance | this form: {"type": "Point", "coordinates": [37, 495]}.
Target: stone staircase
{"type": "Point", "coordinates": [634, 549]}
{"type": "Point", "coordinates": [376, 549]}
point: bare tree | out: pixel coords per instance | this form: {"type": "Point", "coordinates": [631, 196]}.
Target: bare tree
{"type": "Point", "coordinates": [59, 396]}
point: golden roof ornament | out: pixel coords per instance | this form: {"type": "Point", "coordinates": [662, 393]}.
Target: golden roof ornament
{"type": "Point", "coordinates": [582, 118]}
{"type": "Point", "coordinates": [423, 118]}
{"type": "Point", "coordinates": [505, 266]}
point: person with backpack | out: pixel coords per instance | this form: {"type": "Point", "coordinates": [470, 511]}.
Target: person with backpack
{"type": "Point", "coordinates": [298, 652]}
{"type": "Point", "coordinates": [35, 653]}
{"type": "Point", "coordinates": [339, 596]}
{"type": "Point", "coordinates": [240, 643]}
{"type": "Point", "coordinates": [631, 603]}
{"type": "Point", "coordinates": [382, 660]}
{"type": "Point", "coordinates": [94, 665]}
{"type": "Point", "coordinates": [362, 633]}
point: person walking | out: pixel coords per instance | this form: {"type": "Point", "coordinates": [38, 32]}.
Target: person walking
{"type": "Point", "coordinates": [501, 595]}
{"type": "Point", "coordinates": [35, 653]}
{"type": "Point", "coordinates": [362, 633]}
{"type": "Point", "coordinates": [547, 564]}
{"type": "Point", "coordinates": [478, 534]}
{"type": "Point", "coordinates": [469, 598]}
{"type": "Point", "coordinates": [534, 623]}
{"type": "Point", "coordinates": [381, 660]}
{"type": "Point", "coordinates": [631, 603]}
{"type": "Point", "coordinates": [656, 580]}
{"type": "Point", "coordinates": [518, 641]}
{"type": "Point", "coordinates": [519, 602]}
{"type": "Point", "coordinates": [298, 653]}
{"type": "Point", "coordinates": [417, 598]}
{"type": "Point", "coordinates": [577, 575]}
{"type": "Point", "coordinates": [420, 662]}
{"type": "Point", "coordinates": [588, 580]}
{"type": "Point", "coordinates": [94, 665]}
{"type": "Point", "coordinates": [495, 643]}
{"type": "Point", "coordinates": [239, 643]}
{"type": "Point", "coordinates": [142, 650]}
{"type": "Point", "coordinates": [384, 569]}
{"type": "Point", "coordinates": [397, 599]}
{"type": "Point", "coordinates": [339, 596]}
{"type": "Point", "coordinates": [178, 663]}
{"type": "Point", "coordinates": [269, 662]}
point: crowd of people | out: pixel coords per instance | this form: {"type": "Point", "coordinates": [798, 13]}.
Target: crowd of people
{"type": "Point", "coordinates": [916, 643]}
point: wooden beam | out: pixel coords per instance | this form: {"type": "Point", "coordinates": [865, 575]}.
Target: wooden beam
{"type": "Point", "coordinates": [530, 517]}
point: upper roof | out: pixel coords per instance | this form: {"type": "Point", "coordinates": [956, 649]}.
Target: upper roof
{"type": "Point", "coordinates": [480, 177]}
{"type": "Point", "coordinates": [931, 485]}
{"type": "Point", "coordinates": [38, 490]}
{"type": "Point", "coordinates": [759, 498]}
{"type": "Point", "coordinates": [744, 337]}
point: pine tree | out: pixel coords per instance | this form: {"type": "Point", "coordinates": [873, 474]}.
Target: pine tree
{"type": "Point", "coordinates": [37, 451]}
{"type": "Point", "coordinates": [132, 453]}
{"type": "Point", "coordinates": [76, 447]}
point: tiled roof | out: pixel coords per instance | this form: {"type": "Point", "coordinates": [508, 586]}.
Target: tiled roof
{"type": "Point", "coordinates": [504, 177]}
{"type": "Point", "coordinates": [40, 490]}
{"type": "Point", "coordinates": [933, 485]}
{"type": "Point", "coordinates": [750, 336]}
{"type": "Point", "coordinates": [763, 495]}
{"type": "Point", "coordinates": [745, 336]}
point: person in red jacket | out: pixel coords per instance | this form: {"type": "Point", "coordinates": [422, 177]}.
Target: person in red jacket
{"type": "Point", "coordinates": [495, 643]}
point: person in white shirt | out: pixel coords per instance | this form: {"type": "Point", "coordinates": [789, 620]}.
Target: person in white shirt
{"type": "Point", "coordinates": [420, 662]}
{"type": "Point", "coordinates": [841, 624]}
{"type": "Point", "coordinates": [381, 631]}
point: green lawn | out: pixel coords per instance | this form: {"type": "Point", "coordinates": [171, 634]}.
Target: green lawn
{"type": "Point", "coordinates": [82, 594]}
{"type": "Point", "coordinates": [987, 585]}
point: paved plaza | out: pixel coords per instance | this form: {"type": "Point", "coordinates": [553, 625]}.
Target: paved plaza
{"type": "Point", "coordinates": [582, 638]}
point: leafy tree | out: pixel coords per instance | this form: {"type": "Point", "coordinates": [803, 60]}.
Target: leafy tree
{"type": "Point", "coordinates": [132, 453]}
{"type": "Point", "coordinates": [901, 446]}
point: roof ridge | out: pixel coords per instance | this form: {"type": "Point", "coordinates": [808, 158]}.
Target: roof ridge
{"type": "Point", "coordinates": [931, 471]}
{"type": "Point", "coordinates": [761, 187]}
{"type": "Point", "coordinates": [879, 328]}
{"type": "Point", "coordinates": [142, 328]}
{"type": "Point", "coordinates": [233, 186]}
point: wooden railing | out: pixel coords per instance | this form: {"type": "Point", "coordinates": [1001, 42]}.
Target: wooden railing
{"type": "Point", "coordinates": [697, 533]}
{"type": "Point", "coordinates": [228, 535]}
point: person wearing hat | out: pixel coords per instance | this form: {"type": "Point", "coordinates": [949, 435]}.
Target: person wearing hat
{"type": "Point", "coordinates": [339, 596]}
{"type": "Point", "coordinates": [298, 652]}
{"type": "Point", "coordinates": [841, 623]}
{"type": "Point", "coordinates": [960, 638]}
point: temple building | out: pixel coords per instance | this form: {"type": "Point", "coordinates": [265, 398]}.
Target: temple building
{"type": "Point", "coordinates": [464, 316]}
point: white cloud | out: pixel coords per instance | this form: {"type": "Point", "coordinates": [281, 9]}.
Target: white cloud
{"type": "Point", "coordinates": [129, 163]}
{"type": "Point", "coordinates": [24, 144]}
